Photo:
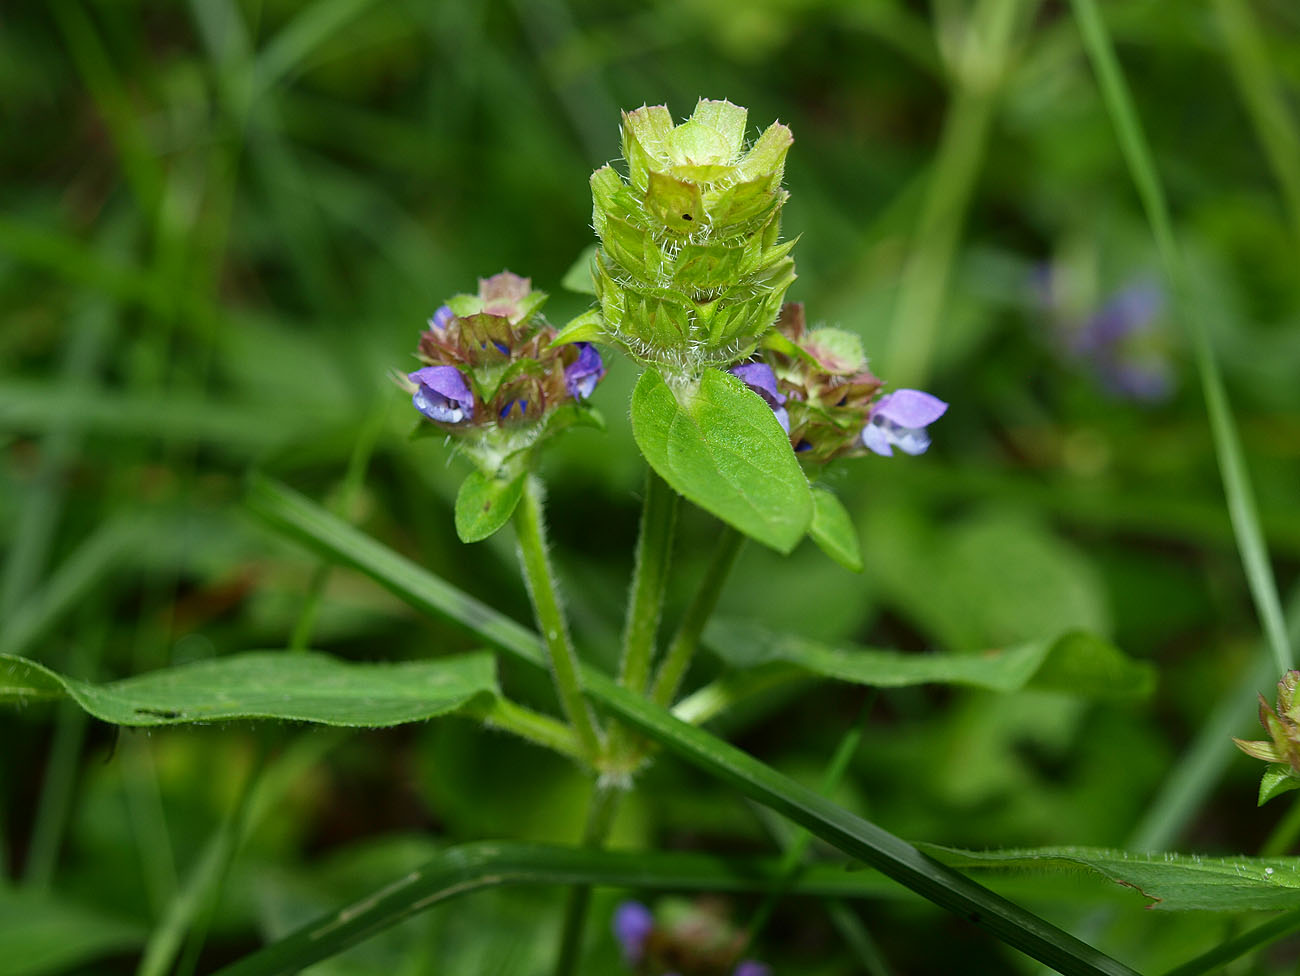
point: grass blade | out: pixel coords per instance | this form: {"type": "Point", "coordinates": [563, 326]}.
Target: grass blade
{"type": "Point", "coordinates": [1227, 445]}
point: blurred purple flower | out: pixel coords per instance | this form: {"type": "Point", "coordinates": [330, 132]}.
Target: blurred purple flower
{"type": "Point", "coordinates": [899, 420]}
{"type": "Point", "coordinates": [1111, 341]}
{"type": "Point", "coordinates": [633, 924]}
{"type": "Point", "coordinates": [582, 375]}
{"type": "Point", "coordinates": [751, 968]}
{"type": "Point", "coordinates": [441, 394]}
{"type": "Point", "coordinates": [760, 378]}
{"type": "Point", "coordinates": [441, 318]}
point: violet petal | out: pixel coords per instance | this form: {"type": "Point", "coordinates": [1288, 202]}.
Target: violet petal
{"type": "Point", "coordinates": [582, 375]}
{"type": "Point", "coordinates": [633, 924]}
{"type": "Point", "coordinates": [909, 408]}
{"type": "Point", "coordinates": [760, 378]}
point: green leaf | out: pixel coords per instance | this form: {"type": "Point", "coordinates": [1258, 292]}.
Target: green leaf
{"type": "Point", "coordinates": [720, 445]}
{"type": "Point", "coordinates": [1278, 778]}
{"type": "Point", "coordinates": [587, 327]}
{"type": "Point", "coordinates": [1171, 882]}
{"type": "Point", "coordinates": [578, 278]}
{"type": "Point", "coordinates": [833, 530]}
{"type": "Point", "coordinates": [332, 537]}
{"type": "Point", "coordinates": [1076, 663]}
{"type": "Point", "coordinates": [297, 687]}
{"type": "Point", "coordinates": [43, 934]}
{"type": "Point", "coordinates": [485, 503]}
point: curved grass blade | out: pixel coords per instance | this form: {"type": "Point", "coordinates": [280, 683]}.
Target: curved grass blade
{"type": "Point", "coordinates": [303, 687]}
{"type": "Point", "coordinates": [1227, 445]}
{"type": "Point", "coordinates": [849, 833]}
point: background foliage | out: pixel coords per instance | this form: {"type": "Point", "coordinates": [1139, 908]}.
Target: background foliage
{"type": "Point", "coordinates": [222, 223]}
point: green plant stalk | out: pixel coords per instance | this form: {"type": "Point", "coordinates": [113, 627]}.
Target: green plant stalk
{"type": "Point", "coordinates": [1248, 58]}
{"type": "Point", "coordinates": [530, 530]}
{"type": "Point", "coordinates": [915, 324]}
{"type": "Point", "coordinates": [1226, 952]}
{"type": "Point", "coordinates": [654, 551]}
{"type": "Point", "coordinates": [534, 727]}
{"type": "Point", "coordinates": [677, 659]}
{"type": "Point", "coordinates": [798, 849]}
{"type": "Point", "coordinates": [298, 517]}
{"type": "Point", "coordinates": [601, 811]}
{"type": "Point", "coordinates": [1232, 467]}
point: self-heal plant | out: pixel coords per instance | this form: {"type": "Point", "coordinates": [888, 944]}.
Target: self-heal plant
{"type": "Point", "coordinates": [1281, 750]}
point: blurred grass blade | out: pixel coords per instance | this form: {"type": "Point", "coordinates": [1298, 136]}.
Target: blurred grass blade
{"type": "Point", "coordinates": [296, 41]}
{"type": "Point", "coordinates": [303, 687]}
{"type": "Point", "coordinates": [1224, 953]}
{"type": "Point", "coordinates": [1227, 445]}
{"type": "Point", "coordinates": [1076, 663]}
{"type": "Point", "coordinates": [42, 933]}
{"type": "Point", "coordinates": [831, 823]}
{"type": "Point", "coordinates": [1269, 112]}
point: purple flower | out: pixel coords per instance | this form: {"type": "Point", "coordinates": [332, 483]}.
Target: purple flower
{"type": "Point", "coordinates": [441, 394]}
{"type": "Point", "coordinates": [441, 318]}
{"type": "Point", "coordinates": [633, 924]}
{"type": "Point", "coordinates": [521, 404]}
{"type": "Point", "coordinates": [751, 968]}
{"type": "Point", "coordinates": [760, 378]}
{"type": "Point", "coordinates": [582, 375]}
{"type": "Point", "coordinates": [899, 420]}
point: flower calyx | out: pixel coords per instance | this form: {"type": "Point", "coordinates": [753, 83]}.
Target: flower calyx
{"type": "Point", "coordinates": [691, 270]}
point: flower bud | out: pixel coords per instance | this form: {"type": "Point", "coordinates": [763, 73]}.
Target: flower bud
{"type": "Point", "coordinates": [691, 270]}
{"type": "Point", "coordinates": [1282, 725]}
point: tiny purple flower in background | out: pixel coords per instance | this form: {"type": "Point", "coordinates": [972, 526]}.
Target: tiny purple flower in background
{"type": "Point", "coordinates": [441, 318]}
{"type": "Point", "coordinates": [441, 394]}
{"type": "Point", "coordinates": [633, 924]}
{"type": "Point", "coordinates": [582, 375]}
{"type": "Point", "coordinates": [760, 378]}
{"type": "Point", "coordinates": [751, 968]}
{"type": "Point", "coordinates": [899, 420]}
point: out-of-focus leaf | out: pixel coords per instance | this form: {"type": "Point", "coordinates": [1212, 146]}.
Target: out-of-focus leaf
{"type": "Point", "coordinates": [267, 685]}
{"type": "Point", "coordinates": [578, 278]}
{"type": "Point", "coordinates": [833, 530]}
{"type": "Point", "coordinates": [1170, 882]}
{"type": "Point", "coordinates": [43, 934]}
{"type": "Point", "coordinates": [1076, 663]}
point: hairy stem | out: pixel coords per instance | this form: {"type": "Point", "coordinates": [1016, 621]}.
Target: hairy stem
{"type": "Point", "coordinates": [682, 649]}
{"type": "Point", "coordinates": [600, 820]}
{"type": "Point", "coordinates": [649, 579]}
{"type": "Point", "coordinates": [539, 729]}
{"type": "Point", "coordinates": [530, 530]}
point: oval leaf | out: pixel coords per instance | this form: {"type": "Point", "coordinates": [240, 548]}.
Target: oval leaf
{"type": "Point", "coordinates": [720, 446]}
{"type": "Point", "coordinates": [298, 687]}
{"type": "Point", "coordinates": [485, 503]}
{"type": "Point", "coordinates": [1278, 778]}
{"type": "Point", "coordinates": [833, 530]}
{"type": "Point", "coordinates": [1076, 663]}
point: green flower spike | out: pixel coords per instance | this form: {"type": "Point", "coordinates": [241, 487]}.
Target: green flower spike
{"type": "Point", "coordinates": [691, 270]}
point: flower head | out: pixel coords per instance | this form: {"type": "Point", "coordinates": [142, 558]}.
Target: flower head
{"type": "Point", "coordinates": [691, 270]}
{"type": "Point", "coordinates": [493, 375]}
{"type": "Point", "coordinates": [899, 420]}
{"type": "Point", "coordinates": [1282, 725]}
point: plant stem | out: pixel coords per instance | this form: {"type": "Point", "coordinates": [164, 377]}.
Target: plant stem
{"type": "Point", "coordinates": [1227, 445]}
{"type": "Point", "coordinates": [601, 811]}
{"type": "Point", "coordinates": [649, 579]}
{"type": "Point", "coordinates": [539, 729]}
{"type": "Point", "coordinates": [530, 530]}
{"type": "Point", "coordinates": [682, 649]}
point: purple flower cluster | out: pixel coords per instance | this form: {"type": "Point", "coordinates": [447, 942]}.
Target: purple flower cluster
{"type": "Point", "coordinates": [490, 360]}
{"type": "Point", "coordinates": [637, 933]}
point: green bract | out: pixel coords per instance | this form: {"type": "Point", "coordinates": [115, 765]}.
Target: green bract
{"type": "Point", "coordinates": [691, 270]}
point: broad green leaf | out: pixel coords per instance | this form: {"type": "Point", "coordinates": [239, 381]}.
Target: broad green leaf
{"type": "Point", "coordinates": [1076, 663]}
{"type": "Point", "coordinates": [43, 934]}
{"type": "Point", "coordinates": [833, 530]}
{"type": "Point", "coordinates": [296, 687]}
{"type": "Point", "coordinates": [720, 445]}
{"type": "Point", "coordinates": [330, 536]}
{"type": "Point", "coordinates": [484, 504]}
{"type": "Point", "coordinates": [1171, 882]}
{"type": "Point", "coordinates": [578, 278]}
{"type": "Point", "coordinates": [1278, 778]}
